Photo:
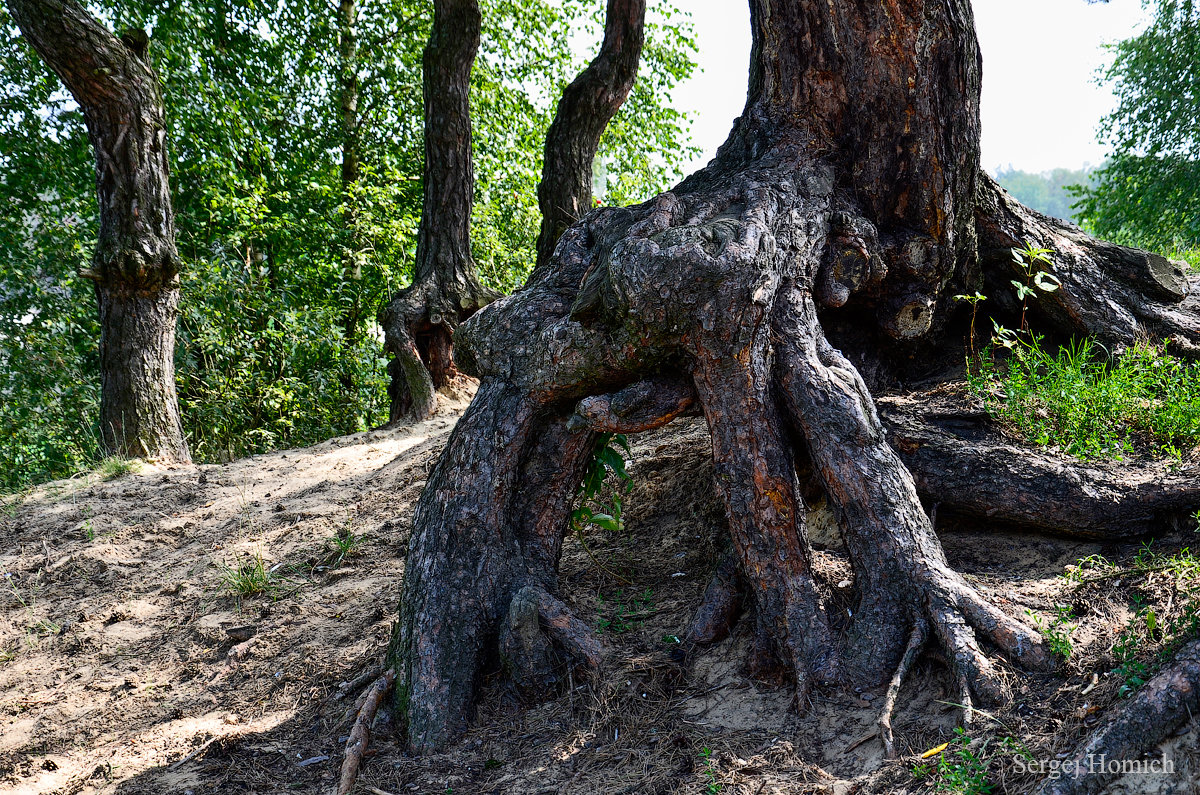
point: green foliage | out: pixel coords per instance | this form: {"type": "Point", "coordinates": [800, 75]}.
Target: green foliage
{"type": "Point", "coordinates": [277, 344]}
{"type": "Point", "coordinates": [959, 769]}
{"type": "Point", "coordinates": [1057, 630]}
{"type": "Point", "coordinates": [597, 506]}
{"type": "Point", "coordinates": [1148, 193]}
{"type": "Point", "coordinates": [1081, 400]}
{"type": "Point", "coordinates": [1049, 192]}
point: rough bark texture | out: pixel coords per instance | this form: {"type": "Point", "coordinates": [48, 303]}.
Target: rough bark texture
{"type": "Point", "coordinates": [843, 204]}
{"type": "Point", "coordinates": [584, 110]}
{"type": "Point", "coordinates": [1162, 705]}
{"type": "Point", "coordinates": [446, 287]}
{"type": "Point", "coordinates": [962, 464]}
{"type": "Point", "coordinates": [135, 266]}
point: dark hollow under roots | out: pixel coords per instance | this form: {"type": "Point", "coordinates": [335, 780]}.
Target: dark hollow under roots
{"type": "Point", "coordinates": [704, 297]}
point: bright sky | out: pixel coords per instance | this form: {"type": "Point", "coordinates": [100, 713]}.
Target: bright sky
{"type": "Point", "coordinates": [1041, 105]}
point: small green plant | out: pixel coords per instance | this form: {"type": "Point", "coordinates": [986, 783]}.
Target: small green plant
{"type": "Point", "coordinates": [249, 577]}
{"type": "Point", "coordinates": [593, 508]}
{"type": "Point", "coordinates": [1034, 262]}
{"type": "Point", "coordinates": [973, 361]}
{"type": "Point", "coordinates": [625, 614]}
{"type": "Point", "coordinates": [709, 769]}
{"type": "Point", "coordinates": [1057, 631]}
{"type": "Point", "coordinates": [114, 467]}
{"type": "Point", "coordinates": [344, 544]}
{"type": "Point", "coordinates": [958, 769]}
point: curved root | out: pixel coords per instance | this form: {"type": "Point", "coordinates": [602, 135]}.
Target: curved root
{"type": "Point", "coordinates": [360, 734]}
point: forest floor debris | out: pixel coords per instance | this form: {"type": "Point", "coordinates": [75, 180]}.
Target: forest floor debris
{"type": "Point", "coordinates": [135, 657]}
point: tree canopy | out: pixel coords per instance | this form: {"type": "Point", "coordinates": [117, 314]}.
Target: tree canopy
{"type": "Point", "coordinates": [254, 134]}
{"type": "Point", "coordinates": [1148, 193]}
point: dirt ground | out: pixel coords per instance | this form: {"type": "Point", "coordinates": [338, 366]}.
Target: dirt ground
{"type": "Point", "coordinates": [130, 664]}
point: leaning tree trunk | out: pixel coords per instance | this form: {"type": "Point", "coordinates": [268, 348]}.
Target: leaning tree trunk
{"type": "Point", "coordinates": [135, 266]}
{"type": "Point", "coordinates": [419, 321]}
{"type": "Point", "coordinates": [843, 210]}
{"type": "Point", "coordinates": [584, 110]}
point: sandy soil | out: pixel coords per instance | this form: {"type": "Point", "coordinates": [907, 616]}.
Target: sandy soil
{"type": "Point", "coordinates": [129, 664]}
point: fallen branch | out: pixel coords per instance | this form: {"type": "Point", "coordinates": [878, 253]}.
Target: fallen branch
{"type": "Point", "coordinates": [360, 735]}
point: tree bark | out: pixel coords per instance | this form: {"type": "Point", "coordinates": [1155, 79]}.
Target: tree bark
{"type": "Point", "coordinates": [586, 107]}
{"type": "Point", "coordinates": [842, 211]}
{"type": "Point", "coordinates": [135, 266]}
{"type": "Point", "coordinates": [961, 463]}
{"type": "Point", "coordinates": [446, 288]}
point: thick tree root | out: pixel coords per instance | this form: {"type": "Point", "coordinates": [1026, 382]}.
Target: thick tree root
{"type": "Point", "coordinates": [901, 571]}
{"type": "Point", "coordinates": [1159, 708]}
{"type": "Point", "coordinates": [1111, 292]}
{"type": "Point", "coordinates": [960, 462]}
{"type": "Point", "coordinates": [536, 626]}
{"type": "Point", "coordinates": [360, 733]}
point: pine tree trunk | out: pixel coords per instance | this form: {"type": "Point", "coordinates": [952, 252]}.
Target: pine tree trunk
{"type": "Point", "coordinates": [832, 228]}
{"type": "Point", "coordinates": [584, 110]}
{"type": "Point", "coordinates": [446, 288]}
{"type": "Point", "coordinates": [135, 265]}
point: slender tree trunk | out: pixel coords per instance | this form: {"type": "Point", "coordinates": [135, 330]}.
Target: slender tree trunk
{"type": "Point", "coordinates": [135, 265]}
{"type": "Point", "coordinates": [446, 288]}
{"type": "Point", "coordinates": [584, 110]}
{"type": "Point", "coordinates": [351, 145]}
{"type": "Point", "coordinates": [832, 229]}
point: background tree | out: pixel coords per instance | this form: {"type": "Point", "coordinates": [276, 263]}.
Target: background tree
{"type": "Point", "coordinates": [135, 266]}
{"type": "Point", "coordinates": [446, 288]}
{"type": "Point", "coordinates": [1049, 192]}
{"type": "Point", "coordinates": [1148, 193]}
{"type": "Point", "coordinates": [265, 358]}
{"type": "Point", "coordinates": [816, 256]}
{"type": "Point", "coordinates": [584, 110]}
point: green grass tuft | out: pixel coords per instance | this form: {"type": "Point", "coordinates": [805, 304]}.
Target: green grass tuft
{"type": "Point", "coordinates": [1084, 402]}
{"type": "Point", "coordinates": [114, 467]}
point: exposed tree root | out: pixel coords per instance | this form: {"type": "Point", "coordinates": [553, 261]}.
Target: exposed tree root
{"type": "Point", "coordinates": [960, 462]}
{"type": "Point", "coordinates": [1161, 706]}
{"type": "Point", "coordinates": [1111, 292]}
{"type": "Point", "coordinates": [719, 609]}
{"type": "Point", "coordinates": [916, 641]}
{"type": "Point", "coordinates": [360, 733]}
{"type": "Point", "coordinates": [900, 569]}
{"type": "Point", "coordinates": [537, 626]}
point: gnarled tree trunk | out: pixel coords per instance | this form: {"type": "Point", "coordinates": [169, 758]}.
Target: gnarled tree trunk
{"type": "Point", "coordinates": [135, 266]}
{"type": "Point", "coordinates": [584, 110]}
{"type": "Point", "coordinates": [844, 210]}
{"type": "Point", "coordinates": [419, 321]}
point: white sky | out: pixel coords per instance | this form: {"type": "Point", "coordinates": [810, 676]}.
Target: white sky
{"type": "Point", "coordinates": [1041, 106]}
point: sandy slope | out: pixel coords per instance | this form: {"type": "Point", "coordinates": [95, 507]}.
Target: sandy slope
{"type": "Point", "coordinates": [129, 667]}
